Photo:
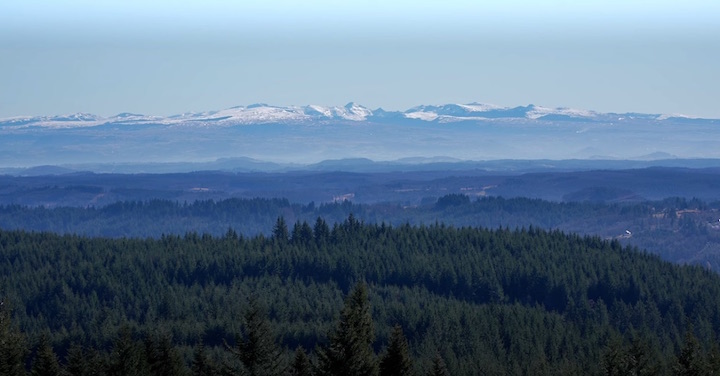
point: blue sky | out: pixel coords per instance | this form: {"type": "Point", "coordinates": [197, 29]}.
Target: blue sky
{"type": "Point", "coordinates": [168, 57]}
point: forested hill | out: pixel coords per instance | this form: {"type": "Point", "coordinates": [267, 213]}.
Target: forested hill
{"type": "Point", "coordinates": [497, 301]}
{"type": "Point", "coordinates": [679, 230]}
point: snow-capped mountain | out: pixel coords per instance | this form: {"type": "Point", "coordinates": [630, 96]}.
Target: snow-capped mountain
{"type": "Point", "coordinates": [253, 114]}
{"type": "Point", "coordinates": [307, 134]}
{"type": "Point", "coordinates": [476, 111]}
{"type": "Point", "coordinates": [352, 112]}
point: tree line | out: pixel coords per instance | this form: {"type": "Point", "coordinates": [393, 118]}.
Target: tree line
{"type": "Point", "coordinates": [679, 230]}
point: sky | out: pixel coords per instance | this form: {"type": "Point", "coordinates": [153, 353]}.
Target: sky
{"type": "Point", "coordinates": [169, 57]}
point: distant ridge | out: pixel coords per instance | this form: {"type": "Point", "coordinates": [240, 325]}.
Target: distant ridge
{"type": "Point", "coordinates": [260, 113]}
{"type": "Point", "coordinates": [365, 165]}
{"type": "Point", "coordinates": [658, 155]}
{"type": "Point", "coordinates": [306, 135]}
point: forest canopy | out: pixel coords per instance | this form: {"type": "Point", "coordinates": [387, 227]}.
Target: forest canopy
{"type": "Point", "coordinates": [495, 299]}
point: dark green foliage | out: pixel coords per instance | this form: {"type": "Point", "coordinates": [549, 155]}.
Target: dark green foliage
{"type": "Point", "coordinates": [301, 365]}
{"type": "Point", "coordinates": [679, 230]}
{"type": "Point", "coordinates": [302, 234]}
{"type": "Point", "coordinates": [257, 349]}
{"type": "Point", "coordinates": [76, 364]}
{"type": "Point", "coordinates": [13, 348]}
{"type": "Point", "coordinates": [162, 357]}
{"type": "Point", "coordinates": [713, 359]}
{"type": "Point", "coordinates": [202, 364]}
{"type": "Point", "coordinates": [97, 363]}
{"type": "Point", "coordinates": [642, 361]}
{"type": "Point", "coordinates": [127, 356]}
{"type": "Point", "coordinates": [615, 358]}
{"type": "Point", "coordinates": [501, 301]}
{"type": "Point", "coordinates": [321, 231]}
{"type": "Point", "coordinates": [350, 351]}
{"type": "Point", "coordinates": [280, 231]}
{"type": "Point", "coordinates": [635, 358]}
{"type": "Point", "coordinates": [451, 200]}
{"type": "Point", "coordinates": [45, 362]}
{"type": "Point", "coordinates": [397, 361]}
{"type": "Point", "coordinates": [438, 367]}
{"type": "Point", "coordinates": [691, 361]}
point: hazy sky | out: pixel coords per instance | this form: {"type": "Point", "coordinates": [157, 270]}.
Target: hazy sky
{"type": "Point", "coordinates": [167, 57]}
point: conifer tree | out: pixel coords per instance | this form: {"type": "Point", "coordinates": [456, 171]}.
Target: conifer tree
{"type": "Point", "coordinates": [713, 358]}
{"type": "Point", "coordinates": [640, 358]}
{"type": "Point", "coordinates": [202, 364]}
{"type": "Point", "coordinates": [12, 344]}
{"type": "Point", "coordinates": [397, 361]}
{"type": "Point", "coordinates": [635, 359]}
{"type": "Point", "coordinates": [321, 231]}
{"type": "Point", "coordinates": [615, 360]}
{"type": "Point", "coordinates": [45, 362]}
{"type": "Point", "coordinates": [350, 349]}
{"type": "Point", "coordinates": [96, 363]}
{"type": "Point", "coordinates": [691, 360]}
{"type": "Point", "coordinates": [302, 234]}
{"type": "Point", "coordinates": [257, 349]}
{"type": "Point", "coordinates": [162, 357]}
{"type": "Point", "coordinates": [438, 367]}
{"type": "Point", "coordinates": [127, 358]}
{"type": "Point", "coordinates": [76, 364]}
{"type": "Point", "coordinates": [280, 230]}
{"type": "Point", "coordinates": [301, 365]}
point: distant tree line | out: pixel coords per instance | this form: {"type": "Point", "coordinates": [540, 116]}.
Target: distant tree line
{"type": "Point", "coordinates": [679, 230]}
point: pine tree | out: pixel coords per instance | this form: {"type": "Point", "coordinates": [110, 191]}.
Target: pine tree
{"type": "Point", "coordinates": [640, 358]}
{"type": "Point", "coordinates": [280, 231]}
{"type": "Point", "coordinates": [45, 362]}
{"type": "Point", "coordinates": [438, 367]}
{"type": "Point", "coordinates": [691, 360]}
{"type": "Point", "coordinates": [302, 234]}
{"type": "Point", "coordinates": [350, 349]}
{"type": "Point", "coordinates": [615, 360]}
{"type": "Point", "coordinates": [713, 359]}
{"type": "Point", "coordinates": [257, 349]}
{"type": "Point", "coordinates": [127, 357]}
{"type": "Point", "coordinates": [76, 364]}
{"type": "Point", "coordinates": [12, 344]}
{"type": "Point", "coordinates": [321, 231]}
{"type": "Point", "coordinates": [80, 362]}
{"type": "Point", "coordinates": [202, 364]}
{"type": "Point", "coordinates": [301, 364]}
{"type": "Point", "coordinates": [162, 357]}
{"type": "Point", "coordinates": [396, 360]}
{"type": "Point", "coordinates": [97, 363]}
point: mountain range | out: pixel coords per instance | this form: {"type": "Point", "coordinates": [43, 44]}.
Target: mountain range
{"type": "Point", "coordinates": [310, 134]}
{"type": "Point", "coordinates": [263, 113]}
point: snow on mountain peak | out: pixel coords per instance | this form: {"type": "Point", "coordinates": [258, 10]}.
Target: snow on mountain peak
{"type": "Point", "coordinates": [353, 111]}
{"type": "Point", "coordinates": [315, 110]}
{"type": "Point", "coordinates": [479, 107]}
{"type": "Point", "coordinates": [125, 115]}
{"type": "Point", "coordinates": [451, 112]}
{"type": "Point", "coordinates": [80, 116]}
{"type": "Point", "coordinates": [261, 113]}
{"type": "Point", "coordinates": [76, 120]}
{"type": "Point", "coordinates": [478, 111]}
{"type": "Point", "coordinates": [677, 116]}
{"type": "Point", "coordinates": [422, 115]}
{"type": "Point", "coordinates": [537, 112]}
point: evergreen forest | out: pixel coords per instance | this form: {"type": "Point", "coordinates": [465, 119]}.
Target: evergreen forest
{"type": "Point", "coordinates": [351, 297]}
{"type": "Point", "coordinates": [679, 230]}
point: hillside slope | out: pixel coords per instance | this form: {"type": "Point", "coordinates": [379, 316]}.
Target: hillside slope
{"type": "Point", "coordinates": [499, 300]}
